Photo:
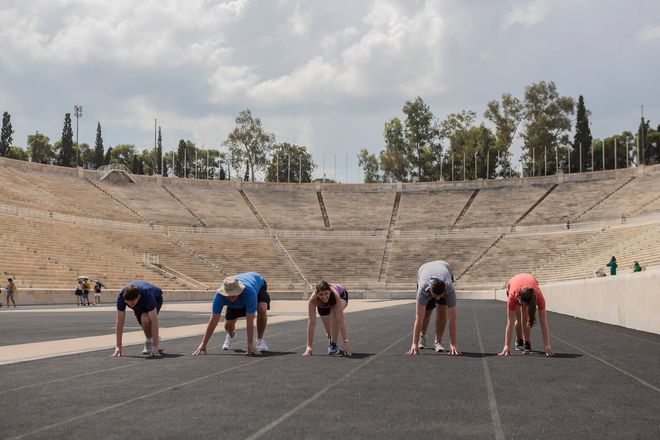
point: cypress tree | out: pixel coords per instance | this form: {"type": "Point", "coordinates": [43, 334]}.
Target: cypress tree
{"type": "Point", "coordinates": [65, 156]}
{"type": "Point", "coordinates": [159, 154]}
{"type": "Point", "coordinates": [98, 147]}
{"type": "Point", "coordinates": [5, 136]}
{"type": "Point", "coordinates": [642, 133]}
{"type": "Point", "coordinates": [582, 136]}
{"type": "Point", "coordinates": [178, 161]}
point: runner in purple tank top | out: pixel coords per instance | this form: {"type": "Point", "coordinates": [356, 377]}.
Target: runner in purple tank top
{"type": "Point", "coordinates": [329, 300]}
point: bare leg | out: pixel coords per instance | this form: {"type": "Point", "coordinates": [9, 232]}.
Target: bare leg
{"type": "Point", "coordinates": [262, 319]}
{"type": "Point", "coordinates": [334, 328]}
{"type": "Point", "coordinates": [519, 331]}
{"type": "Point", "coordinates": [426, 320]}
{"type": "Point", "coordinates": [440, 321]}
{"type": "Point", "coordinates": [145, 322]}
{"type": "Point", "coordinates": [230, 326]}
{"type": "Point", "coordinates": [527, 330]}
{"type": "Point", "coordinates": [327, 324]}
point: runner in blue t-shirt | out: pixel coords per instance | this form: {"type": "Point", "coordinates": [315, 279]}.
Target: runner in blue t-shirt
{"type": "Point", "coordinates": [435, 290]}
{"type": "Point", "coordinates": [146, 300]}
{"type": "Point", "coordinates": [244, 295]}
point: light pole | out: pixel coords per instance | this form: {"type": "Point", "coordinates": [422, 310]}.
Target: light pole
{"type": "Point", "coordinates": [641, 135]}
{"type": "Point", "coordinates": [440, 179]}
{"type": "Point", "coordinates": [77, 111]}
{"type": "Point", "coordinates": [580, 156]}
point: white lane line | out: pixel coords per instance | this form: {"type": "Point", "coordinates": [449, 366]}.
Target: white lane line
{"type": "Point", "coordinates": [492, 402]}
{"type": "Point", "coordinates": [632, 376]}
{"type": "Point", "coordinates": [139, 363]}
{"type": "Point", "coordinates": [135, 399]}
{"type": "Point", "coordinates": [62, 379]}
{"type": "Point", "coordinates": [592, 325]}
{"type": "Point", "coordinates": [120, 367]}
{"type": "Point", "coordinates": [307, 402]}
{"type": "Point", "coordinates": [163, 390]}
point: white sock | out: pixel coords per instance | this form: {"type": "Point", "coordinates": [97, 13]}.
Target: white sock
{"type": "Point", "coordinates": [149, 339]}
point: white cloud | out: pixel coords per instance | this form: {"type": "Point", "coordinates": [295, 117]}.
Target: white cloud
{"type": "Point", "coordinates": [528, 14]}
{"type": "Point", "coordinates": [138, 113]}
{"type": "Point", "coordinates": [298, 22]}
{"type": "Point", "coordinates": [231, 83]}
{"type": "Point", "coordinates": [331, 41]}
{"type": "Point", "coordinates": [649, 34]}
{"type": "Point", "coordinates": [149, 33]}
{"type": "Point", "coordinates": [386, 56]}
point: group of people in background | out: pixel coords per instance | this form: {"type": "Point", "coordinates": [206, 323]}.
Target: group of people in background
{"type": "Point", "coordinates": [612, 264]}
{"type": "Point", "coordinates": [84, 287]}
{"type": "Point", "coordinates": [246, 296]}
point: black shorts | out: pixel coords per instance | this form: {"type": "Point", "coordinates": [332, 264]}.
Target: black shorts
{"type": "Point", "coordinates": [78, 292]}
{"type": "Point", "coordinates": [138, 313]}
{"type": "Point", "coordinates": [432, 303]}
{"type": "Point", "coordinates": [325, 311]}
{"type": "Point", "coordinates": [240, 312]}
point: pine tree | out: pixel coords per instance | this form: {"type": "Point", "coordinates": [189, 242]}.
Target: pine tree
{"type": "Point", "coordinates": [7, 131]}
{"type": "Point", "coordinates": [65, 156]}
{"type": "Point", "coordinates": [582, 137]}
{"type": "Point", "coordinates": [98, 147]}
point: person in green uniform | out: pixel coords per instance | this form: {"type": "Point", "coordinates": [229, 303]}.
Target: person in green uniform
{"type": "Point", "coordinates": [612, 265]}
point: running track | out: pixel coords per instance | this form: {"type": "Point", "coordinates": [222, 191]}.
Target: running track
{"type": "Point", "coordinates": [604, 383]}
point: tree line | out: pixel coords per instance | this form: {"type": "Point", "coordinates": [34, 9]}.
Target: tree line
{"type": "Point", "coordinates": [418, 147]}
{"type": "Point", "coordinates": [423, 148]}
{"type": "Point", "coordinates": [250, 150]}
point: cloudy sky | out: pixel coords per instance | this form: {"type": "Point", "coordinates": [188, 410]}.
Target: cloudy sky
{"type": "Point", "coordinates": [324, 74]}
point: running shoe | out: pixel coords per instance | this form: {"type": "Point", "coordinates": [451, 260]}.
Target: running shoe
{"type": "Point", "coordinates": [438, 347]}
{"type": "Point", "coordinates": [519, 344]}
{"type": "Point", "coordinates": [527, 347]}
{"type": "Point", "coordinates": [422, 341]}
{"type": "Point", "coordinates": [149, 346]}
{"type": "Point", "coordinates": [229, 341]}
{"type": "Point", "coordinates": [333, 349]}
{"type": "Point", "coordinates": [261, 345]}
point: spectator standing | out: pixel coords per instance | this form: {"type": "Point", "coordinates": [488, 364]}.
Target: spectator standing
{"type": "Point", "coordinates": [78, 293]}
{"type": "Point", "coordinates": [612, 265]}
{"type": "Point", "coordinates": [86, 285]}
{"type": "Point", "coordinates": [97, 293]}
{"type": "Point", "coordinates": [11, 291]}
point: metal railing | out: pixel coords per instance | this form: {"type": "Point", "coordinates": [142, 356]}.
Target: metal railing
{"type": "Point", "coordinates": [107, 169]}
{"type": "Point", "coordinates": [594, 225]}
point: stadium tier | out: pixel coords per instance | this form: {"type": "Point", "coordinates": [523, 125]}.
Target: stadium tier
{"type": "Point", "coordinates": [183, 234]}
